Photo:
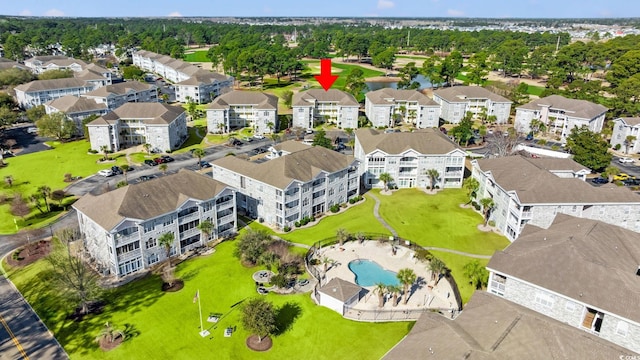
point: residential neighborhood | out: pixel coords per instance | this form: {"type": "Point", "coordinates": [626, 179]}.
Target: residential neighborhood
{"type": "Point", "coordinates": [254, 184]}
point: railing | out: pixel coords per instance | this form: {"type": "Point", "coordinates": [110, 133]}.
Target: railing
{"type": "Point", "coordinates": [453, 173]}
{"type": "Point", "coordinates": [187, 218]}
{"type": "Point", "coordinates": [188, 233]}
{"type": "Point", "coordinates": [225, 219]}
{"type": "Point", "coordinates": [291, 211]}
{"type": "Point", "coordinates": [409, 163]}
{"type": "Point", "coordinates": [224, 206]}
{"type": "Point", "coordinates": [526, 214]}
{"type": "Point", "coordinates": [129, 255]}
{"type": "Point", "coordinates": [122, 240]}
{"type": "Point", "coordinates": [384, 314]}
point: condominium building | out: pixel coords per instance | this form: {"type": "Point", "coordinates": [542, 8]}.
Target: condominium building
{"type": "Point", "coordinates": [533, 191]}
{"type": "Point", "coordinates": [121, 228]}
{"type": "Point", "coordinates": [113, 96]}
{"type": "Point", "coordinates": [389, 107]}
{"type": "Point", "coordinates": [316, 106]}
{"type": "Point", "coordinates": [289, 188]}
{"type": "Point", "coordinates": [584, 273]}
{"type": "Point", "coordinates": [456, 101]}
{"type": "Point", "coordinates": [239, 109]}
{"type": "Point", "coordinates": [9, 64]}
{"type": "Point", "coordinates": [559, 115]}
{"type": "Point", "coordinates": [407, 156]}
{"type": "Point", "coordinates": [38, 92]}
{"type": "Point", "coordinates": [76, 108]}
{"type": "Point", "coordinates": [40, 64]}
{"type": "Point", "coordinates": [191, 82]}
{"type": "Point", "coordinates": [626, 132]}
{"type": "Point", "coordinates": [162, 126]}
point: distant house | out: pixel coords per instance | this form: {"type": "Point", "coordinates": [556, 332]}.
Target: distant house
{"type": "Point", "coordinates": [534, 191]}
{"type": "Point", "coordinates": [407, 156]}
{"type": "Point", "coordinates": [581, 272]}
{"type": "Point", "coordinates": [76, 108]}
{"type": "Point", "coordinates": [162, 126]}
{"type": "Point", "coordinates": [338, 294]}
{"type": "Point", "coordinates": [285, 190]}
{"type": "Point", "coordinates": [40, 64]}
{"type": "Point", "coordinates": [456, 101]}
{"type": "Point", "coordinates": [316, 106]}
{"type": "Point", "coordinates": [560, 115]}
{"type": "Point", "coordinates": [623, 128]}
{"type": "Point", "coordinates": [121, 228]}
{"type": "Point", "coordinates": [9, 64]}
{"type": "Point", "coordinates": [386, 107]}
{"type": "Point", "coordinates": [239, 109]}
{"type": "Point", "coordinates": [113, 96]}
{"type": "Point", "coordinates": [492, 328]}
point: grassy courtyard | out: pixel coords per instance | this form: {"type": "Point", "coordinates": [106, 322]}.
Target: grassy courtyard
{"type": "Point", "coordinates": [165, 325]}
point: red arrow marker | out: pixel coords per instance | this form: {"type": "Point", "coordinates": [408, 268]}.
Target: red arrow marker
{"type": "Point", "coordinates": [325, 78]}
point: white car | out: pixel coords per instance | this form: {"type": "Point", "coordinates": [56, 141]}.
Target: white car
{"type": "Point", "coordinates": [105, 172]}
{"type": "Point", "coordinates": [258, 136]}
{"type": "Point", "coordinates": [32, 130]}
{"type": "Point", "coordinates": [626, 160]}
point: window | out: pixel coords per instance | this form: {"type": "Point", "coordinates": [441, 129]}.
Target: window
{"type": "Point", "coordinates": [497, 285]}
{"type": "Point", "coordinates": [622, 329]}
{"type": "Point", "coordinates": [150, 243]}
{"type": "Point", "coordinates": [570, 306]}
{"type": "Point", "coordinates": [168, 220]}
{"type": "Point", "coordinates": [544, 300]}
{"type": "Point", "coordinates": [127, 248]}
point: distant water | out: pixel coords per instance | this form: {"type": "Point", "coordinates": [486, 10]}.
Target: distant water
{"type": "Point", "coordinates": [369, 273]}
{"type": "Point", "coordinates": [377, 85]}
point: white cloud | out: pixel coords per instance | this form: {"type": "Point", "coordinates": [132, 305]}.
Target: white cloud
{"type": "Point", "coordinates": [175, 14]}
{"type": "Point", "coordinates": [455, 13]}
{"type": "Point", "coordinates": [25, 12]}
{"type": "Point", "coordinates": [385, 4]}
{"type": "Point", "coordinates": [53, 12]}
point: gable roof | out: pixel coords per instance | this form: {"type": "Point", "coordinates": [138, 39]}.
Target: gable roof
{"type": "Point", "coordinates": [387, 96]}
{"type": "Point", "coordinates": [462, 93]}
{"type": "Point", "coordinates": [587, 260]}
{"type": "Point", "coordinates": [535, 185]}
{"type": "Point", "coordinates": [577, 108]}
{"type": "Point", "coordinates": [635, 121]}
{"type": "Point", "coordinates": [302, 165]}
{"type": "Point", "coordinates": [424, 141]}
{"type": "Point", "coordinates": [309, 97]}
{"type": "Point", "coordinates": [150, 113]}
{"type": "Point", "coordinates": [494, 328]}
{"type": "Point", "coordinates": [148, 199]}
{"type": "Point", "coordinates": [290, 146]}
{"type": "Point", "coordinates": [238, 97]}
{"type": "Point", "coordinates": [119, 89]}
{"type": "Point", "coordinates": [40, 85]}
{"type": "Point", "coordinates": [70, 104]}
{"type": "Point", "coordinates": [340, 289]}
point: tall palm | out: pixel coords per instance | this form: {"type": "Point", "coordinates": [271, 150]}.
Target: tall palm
{"type": "Point", "coordinates": [326, 261]}
{"type": "Point", "coordinates": [199, 153]}
{"type": "Point", "coordinates": [434, 176]}
{"type": "Point", "coordinates": [105, 152]}
{"type": "Point", "coordinates": [147, 148]}
{"type": "Point", "coordinates": [270, 126]}
{"type": "Point", "coordinates": [206, 228]}
{"type": "Point", "coordinates": [487, 206]}
{"type": "Point", "coordinates": [163, 168]}
{"type": "Point", "coordinates": [381, 290]}
{"type": "Point", "coordinates": [125, 169]}
{"type": "Point", "coordinates": [45, 192]}
{"type": "Point", "coordinates": [395, 290]}
{"type": "Point", "coordinates": [166, 241]}
{"type": "Point", "coordinates": [386, 178]}
{"type": "Point", "coordinates": [406, 277]}
{"type": "Point", "coordinates": [342, 235]}
{"type": "Point", "coordinates": [472, 185]}
{"type": "Point", "coordinates": [436, 266]}
{"type": "Point", "coordinates": [628, 141]}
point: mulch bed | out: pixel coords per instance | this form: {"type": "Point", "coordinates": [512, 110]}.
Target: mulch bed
{"type": "Point", "coordinates": [176, 286]}
{"type": "Point", "coordinates": [95, 308]}
{"type": "Point", "coordinates": [105, 345]}
{"type": "Point", "coordinates": [254, 344]}
{"type": "Point", "coordinates": [30, 253]}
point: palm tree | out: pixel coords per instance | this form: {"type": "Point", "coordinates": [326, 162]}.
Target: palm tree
{"type": "Point", "coordinates": [628, 141]}
{"type": "Point", "coordinates": [105, 152]}
{"type": "Point", "coordinates": [206, 228]}
{"type": "Point", "coordinates": [381, 290]}
{"type": "Point", "coordinates": [147, 148]}
{"type": "Point", "coordinates": [471, 185]}
{"type": "Point", "coordinates": [436, 266]}
{"type": "Point", "coordinates": [610, 171]}
{"type": "Point", "coordinates": [109, 333]}
{"type": "Point", "coordinates": [434, 176]}
{"type": "Point", "coordinates": [407, 277]}
{"type": "Point", "coordinates": [221, 128]}
{"type": "Point", "coordinates": [487, 205]}
{"type": "Point", "coordinates": [166, 241]}
{"type": "Point", "coordinates": [274, 137]}
{"type": "Point", "coordinates": [342, 235]}
{"type": "Point", "coordinates": [270, 126]}
{"type": "Point", "coordinates": [163, 168]}
{"type": "Point", "coordinates": [45, 192]}
{"type": "Point", "coordinates": [125, 168]}
{"type": "Point", "coordinates": [326, 261]}
{"type": "Point", "coordinates": [395, 290]}
{"type": "Point", "coordinates": [199, 153]}
{"type": "Point", "coordinates": [386, 178]}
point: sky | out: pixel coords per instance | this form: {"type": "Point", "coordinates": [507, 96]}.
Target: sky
{"type": "Point", "coordinates": [322, 8]}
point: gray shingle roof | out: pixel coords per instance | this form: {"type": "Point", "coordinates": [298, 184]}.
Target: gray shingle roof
{"type": "Point", "coordinates": [119, 89]}
{"type": "Point", "coordinates": [291, 146]}
{"type": "Point", "coordinates": [302, 165]}
{"type": "Point", "coordinates": [535, 185]}
{"type": "Point", "coordinates": [492, 328]}
{"type": "Point", "coordinates": [577, 108]}
{"type": "Point", "coordinates": [40, 85]}
{"type": "Point", "coordinates": [148, 199]}
{"type": "Point", "coordinates": [630, 121]}
{"type": "Point", "coordinates": [462, 93]}
{"type": "Point", "coordinates": [587, 260]}
{"type": "Point", "coordinates": [340, 289]}
{"type": "Point", "coordinates": [425, 141]}
{"type": "Point", "coordinates": [387, 96]}
{"type": "Point", "coordinates": [203, 77]}
{"type": "Point", "coordinates": [71, 104]}
{"type": "Point", "coordinates": [237, 97]}
{"type": "Point", "coordinates": [150, 113]}
{"type": "Point", "coordinates": [307, 98]}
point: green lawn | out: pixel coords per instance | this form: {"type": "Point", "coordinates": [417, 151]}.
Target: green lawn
{"type": "Point", "coordinates": [455, 263]}
{"type": "Point", "coordinates": [197, 56]}
{"type": "Point", "coordinates": [535, 90]}
{"type": "Point", "coordinates": [438, 220]}
{"type": "Point", "coordinates": [342, 70]}
{"type": "Point", "coordinates": [165, 325]}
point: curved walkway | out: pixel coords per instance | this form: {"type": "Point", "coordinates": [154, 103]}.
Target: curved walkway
{"type": "Point", "coordinates": [376, 213]}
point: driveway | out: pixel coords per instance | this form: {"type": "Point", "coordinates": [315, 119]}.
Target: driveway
{"type": "Point", "coordinates": [29, 143]}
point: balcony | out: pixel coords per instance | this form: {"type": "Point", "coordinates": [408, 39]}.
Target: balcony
{"type": "Point", "coordinates": [526, 215]}
{"type": "Point", "coordinates": [226, 219]}
{"type": "Point", "coordinates": [188, 218]}
{"type": "Point", "coordinates": [129, 255]}
{"type": "Point", "coordinates": [123, 240]}
{"type": "Point", "coordinates": [453, 174]}
{"type": "Point", "coordinates": [409, 163]}
{"type": "Point", "coordinates": [224, 206]}
{"type": "Point", "coordinates": [291, 211]}
{"type": "Point", "coordinates": [188, 233]}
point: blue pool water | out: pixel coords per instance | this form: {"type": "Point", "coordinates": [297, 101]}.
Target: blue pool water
{"type": "Point", "coordinates": [369, 273]}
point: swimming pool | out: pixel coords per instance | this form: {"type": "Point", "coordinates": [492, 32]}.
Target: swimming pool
{"type": "Point", "coordinates": [369, 273]}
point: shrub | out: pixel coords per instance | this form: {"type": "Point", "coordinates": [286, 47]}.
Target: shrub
{"type": "Point", "coordinates": [279, 280]}
{"type": "Point", "coordinates": [314, 262]}
{"type": "Point", "coordinates": [436, 187]}
{"type": "Point", "coordinates": [297, 224]}
{"type": "Point", "coordinates": [168, 151]}
{"type": "Point", "coordinates": [92, 151]}
{"type": "Point", "coordinates": [335, 208]}
{"type": "Point", "coordinates": [423, 254]}
{"type": "Point", "coordinates": [312, 218]}
{"type": "Point", "coordinates": [617, 147]}
{"type": "Point", "coordinates": [287, 228]}
{"type": "Point", "coordinates": [492, 223]}
{"type": "Point", "coordinates": [352, 201]}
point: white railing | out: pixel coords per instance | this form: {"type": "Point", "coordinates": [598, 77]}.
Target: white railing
{"type": "Point", "coordinates": [187, 218]}
{"type": "Point", "coordinates": [122, 240]}
{"type": "Point", "coordinates": [129, 255]}
{"type": "Point", "coordinates": [224, 206]}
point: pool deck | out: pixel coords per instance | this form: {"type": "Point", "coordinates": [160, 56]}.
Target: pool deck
{"type": "Point", "coordinates": [423, 295]}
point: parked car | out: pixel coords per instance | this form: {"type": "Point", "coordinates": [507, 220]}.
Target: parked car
{"type": "Point", "coordinates": [105, 172]}
{"type": "Point", "coordinates": [622, 177]}
{"type": "Point", "coordinates": [303, 282]}
{"type": "Point", "coordinates": [158, 160]}
{"type": "Point", "coordinates": [32, 130]}
{"type": "Point", "coordinates": [626, 160]}
{"type": "Point", "coordinates": [167, 158]}
{"type": "Point", "coordinates": [204, 164]}
{"type": "Point", "coordinates": [599, 180]}
{"type": "Point", "coordinates": [116, 170]}
{"type": "Point", "coordinates": [631, 182]}
{"type": "Point", "coordinates": [150, 162]}
{"type": "Point", "coordinates": [145, 178]}
{"type": "Point", "coordinates": [262, 291]}
{"type": "Point", "coordinates": [258, 136]}
{"type": "Point", "coordinates": [529, 137]}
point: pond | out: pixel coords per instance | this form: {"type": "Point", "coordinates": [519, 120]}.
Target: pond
{"type": "Point", "coordinates": [377, 85]}
{"type": "Point", "coordinates": [369, 273]}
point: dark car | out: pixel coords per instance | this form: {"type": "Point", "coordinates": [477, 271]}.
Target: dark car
{"type": "Point", "coordinates": [631, 182]}
{"type": "Point", "coordinates": [146, 178]}
{"type": "Point", "coordinates": [204, 164]}
{"type": "Point", "coordinates": [529, 137]}
{"type": "Point", "coordinates": [150, 162]}
{"type": "Point", "coordinates": [599, 180]}
{"type": "Point", "coordinates": [116, 170]}
{"type": "Point", "coordinates": [167, 158]}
